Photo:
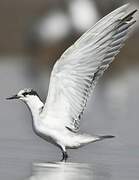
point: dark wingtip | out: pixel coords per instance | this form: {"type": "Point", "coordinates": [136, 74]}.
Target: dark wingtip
{"type": "Point", "coordinates": [129, 16]}
{"type": "Point", "coordinates": [133, 12]}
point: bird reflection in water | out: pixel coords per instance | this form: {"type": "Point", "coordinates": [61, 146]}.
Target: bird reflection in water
{"type": "Point", "coordinates": [66, 171]}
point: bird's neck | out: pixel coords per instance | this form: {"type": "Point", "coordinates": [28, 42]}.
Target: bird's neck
{"type": "Point", "coordinates": [35, 105]}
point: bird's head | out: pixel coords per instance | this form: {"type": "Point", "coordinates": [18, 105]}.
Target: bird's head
{"type": "Point", "coordinates": [30, 97]}
{"type": "Point", "coordinates": [25, 95]}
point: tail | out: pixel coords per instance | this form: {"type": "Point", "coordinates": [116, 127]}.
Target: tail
{"type": "Point", "coordinates": [87, 139]}
{"type": "Point", "coordinates": [105, 137]}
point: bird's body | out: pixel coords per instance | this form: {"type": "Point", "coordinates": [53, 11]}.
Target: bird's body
{"type": "Point", "coordinates": [73, 78]}
{"type": "Point", "coordinates": [61, 136]}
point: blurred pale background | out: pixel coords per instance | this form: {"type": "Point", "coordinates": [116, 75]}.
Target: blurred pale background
{"type": "Point", "coordinates": [33, 34]}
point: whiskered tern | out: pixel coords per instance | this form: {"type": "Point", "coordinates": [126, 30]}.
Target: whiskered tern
{"type": "Point", "coordinates": [73, 78]}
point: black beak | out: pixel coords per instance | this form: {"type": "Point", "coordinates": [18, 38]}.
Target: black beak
{"type": "Point", "coordinates": [13, 97]}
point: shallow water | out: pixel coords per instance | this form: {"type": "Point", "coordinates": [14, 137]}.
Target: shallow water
{"type": "Point", "coordinates": [62, 171]}
{"type": "Point", "coordinates": [79, 171]}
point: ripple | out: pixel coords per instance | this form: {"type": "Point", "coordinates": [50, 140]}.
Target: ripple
{"type": "Point", "coordinates": [66, 171]}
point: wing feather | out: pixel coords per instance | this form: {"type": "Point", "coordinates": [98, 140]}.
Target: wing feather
{"type": "Point", "coordinates": [76, 73]}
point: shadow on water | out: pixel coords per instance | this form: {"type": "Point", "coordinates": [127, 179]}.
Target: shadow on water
{"type": "Point", "coordinates": [67, 171]}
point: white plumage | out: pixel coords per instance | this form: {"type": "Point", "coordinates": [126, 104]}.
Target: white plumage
{"type": "Point", "coordinates": [75, 74]}
{"type": "Point", "coordinates": [74, 77]}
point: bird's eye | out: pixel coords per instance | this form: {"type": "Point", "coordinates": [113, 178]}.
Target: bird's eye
{"type": "Point", "coordinates": [25, 93]}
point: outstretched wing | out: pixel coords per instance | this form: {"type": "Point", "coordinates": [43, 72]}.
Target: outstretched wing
{"type": "Point", "coordinates": [77, 71]}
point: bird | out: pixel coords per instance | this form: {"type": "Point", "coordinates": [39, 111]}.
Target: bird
{"type": "Point", "coordinates": [72, 80]}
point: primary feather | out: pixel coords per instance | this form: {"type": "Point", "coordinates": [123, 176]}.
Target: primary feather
{"type": "Point", "coordinates": [76, 73]}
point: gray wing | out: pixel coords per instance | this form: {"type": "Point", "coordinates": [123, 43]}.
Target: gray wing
{"type": "Point", "coordinates": [77, 71]}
